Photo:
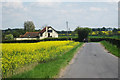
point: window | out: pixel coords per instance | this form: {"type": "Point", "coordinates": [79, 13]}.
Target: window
{"type": "Point", "coordinates": [40, 34]}
{"type": "Point", "coordinates": [49, 30]}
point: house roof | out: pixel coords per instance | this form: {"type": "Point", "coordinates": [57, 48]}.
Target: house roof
{"type": "Point", "coordinates": [43, 30]}
{"type": "Point", "coordinates": [34, 34]}
{"type": "Point", "coordinates": [30, 34]}
{"type": "Point", "coordinates": [52, 28]}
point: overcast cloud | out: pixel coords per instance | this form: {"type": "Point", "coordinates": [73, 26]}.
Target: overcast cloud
{"type": "Point", "coordinates": [91, 14]}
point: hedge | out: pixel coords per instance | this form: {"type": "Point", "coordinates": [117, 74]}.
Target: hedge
{"type": "Point", "coordinates": [112, 41]}
{"type": "Point", "coordinates": [33, 41]}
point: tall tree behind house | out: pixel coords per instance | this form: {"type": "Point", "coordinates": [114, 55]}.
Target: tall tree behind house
{"type": "Point", "coordinates": [29, 26]}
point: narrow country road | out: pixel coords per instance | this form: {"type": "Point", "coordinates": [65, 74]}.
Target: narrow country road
{"type": "Point", "coordinates": [93, 61]}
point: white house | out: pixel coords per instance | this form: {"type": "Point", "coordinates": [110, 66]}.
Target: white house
{"type": "Point", "coordinates": [48, 32]}
{"type": "Point", "coordinates": [45, 33]}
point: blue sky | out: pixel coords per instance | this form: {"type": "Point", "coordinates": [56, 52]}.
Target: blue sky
{"type": "Point", "coordinates": [91, 14]}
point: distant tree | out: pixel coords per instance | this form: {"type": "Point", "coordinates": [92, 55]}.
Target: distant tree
{"type": "Point", "coordinates": [103, 29]}
{"type": "Point", "coordinates": [15, 32]}
{"type": "Point", "coordinates": [98, 29]}
{"type": "Point", "coordinates": [114, 31]}
{"type": "Point", "coordinates": [38, 30]}
{"type": "Point", "coordinates": [109, 29]}
{"type": "Point", "coordinates": [0, 35]}
{"type": "Point", "coordinates": [118, 29]}
{"type": "Point", "coordinates": [100, 33]}
{"type": "Point", "coordinates": [94, 29]}
{"type": "Point", "coordinates": [9, 37]}
{"type": "Point", "coordinates": [29, 26]}
{"type": "Point", "coordinates": [77, 29]}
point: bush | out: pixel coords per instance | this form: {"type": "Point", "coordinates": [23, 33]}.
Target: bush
{"type": "Point", "coordinates": [9, 37]}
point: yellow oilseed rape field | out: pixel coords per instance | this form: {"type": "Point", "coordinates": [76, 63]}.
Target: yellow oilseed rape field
{"type": "Point", "coordinates": [103, 32]}
{"type": "Point", "coordinates": [16, 55]}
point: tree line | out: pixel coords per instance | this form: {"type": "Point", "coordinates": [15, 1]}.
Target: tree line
{"type": "Point", "coordinates": [29, 26]}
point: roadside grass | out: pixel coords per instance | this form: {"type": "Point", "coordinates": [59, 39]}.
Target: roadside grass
{"type": "Point", "coordinates": [50, 69]}
{"type": "Point", "coordinates": [111, 48]}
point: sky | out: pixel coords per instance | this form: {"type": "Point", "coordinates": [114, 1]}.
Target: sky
{"type": "Point", "coordinates": [53, 13]}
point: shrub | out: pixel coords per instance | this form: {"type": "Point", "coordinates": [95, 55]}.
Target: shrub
{"type": "Point", "coordinates": [9, 37]}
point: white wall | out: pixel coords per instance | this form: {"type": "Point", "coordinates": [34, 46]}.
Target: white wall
{"type": "Point", "coordinates": [25, 38]}
{"type": "Point", "coordinates": [54, 34]}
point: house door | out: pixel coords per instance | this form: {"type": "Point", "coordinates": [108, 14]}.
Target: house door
{"type": "Point", "coordinates": [49, 35]}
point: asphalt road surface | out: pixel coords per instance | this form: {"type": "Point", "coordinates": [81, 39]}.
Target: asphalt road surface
{"type": "Point", "coordinates": [93, 61]}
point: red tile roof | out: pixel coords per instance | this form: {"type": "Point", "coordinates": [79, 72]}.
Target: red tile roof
{"type": "Point", "coordinates": [30, 34]}
{"type": "Point", "coordinates": [43, 30]}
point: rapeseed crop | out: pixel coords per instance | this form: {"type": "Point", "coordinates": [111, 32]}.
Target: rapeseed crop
{"type": "Point", "coordinates": [16, 55]}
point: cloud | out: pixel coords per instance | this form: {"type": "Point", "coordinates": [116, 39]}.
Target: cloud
{"type": "Point", "coordinates": [0, 15]}
{"type": "Point", "coordinates": [9, 7]}
{"type": "Point", "coordinates": [71, 12]}
{"type": "Point", "coordinates": [57, 13]}
{"type": "Point", "coordinates": [59, 0]}
{"type": "Point", "coordinates": [45, 4]}
{"type": "Point", "coordinates": [97, 9]}
{"type": "Point", "coordinates": [13, 5]}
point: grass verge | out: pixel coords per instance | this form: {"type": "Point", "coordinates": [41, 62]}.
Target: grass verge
{"type": "Point", "coordinates": [49, 69]}
{"type": "Point", "coordinates": [111, 48]}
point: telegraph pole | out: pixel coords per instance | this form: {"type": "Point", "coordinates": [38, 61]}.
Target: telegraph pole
{"type": "Point", "coordinates": [67, 28]}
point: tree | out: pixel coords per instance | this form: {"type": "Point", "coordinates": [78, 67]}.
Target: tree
{"type": "Point", "coordinates": [100, 33]}
{"type": "Point", "coordinates": [9, 37]}
{"type": "Point", "coordinates": [76, 30]}
{"type": "Point", "coordinates": [83, 33]}
{"type": "Point", "coordinates": [114, 31]}
{"type": "Point", "coordinates": [103, 29]}
{"type": "Point", "coordinates": [109, 29]}
{"type": "Point", "coordinates": [98, 29]}
{"type": "Point", "coordinates": [15, 32]}
{"type": "Point", "coordinates": [29, 26]}
{"type": "Point", "coordinates": [94, 29]}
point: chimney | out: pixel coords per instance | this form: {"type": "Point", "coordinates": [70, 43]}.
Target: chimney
{"type": "Point", "coordinates": [46, 28]}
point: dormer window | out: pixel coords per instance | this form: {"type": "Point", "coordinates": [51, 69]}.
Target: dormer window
{"type": "Point", "coordinates": [49, 30]}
